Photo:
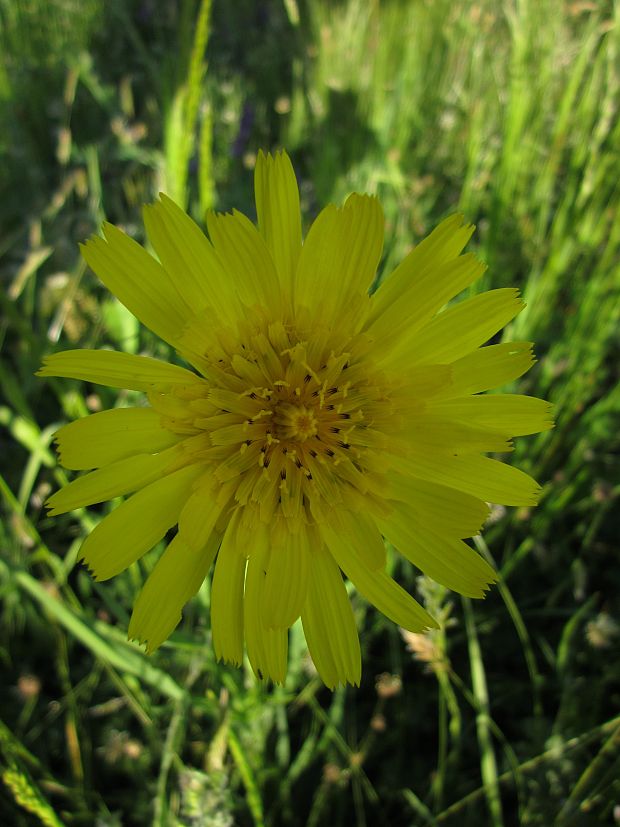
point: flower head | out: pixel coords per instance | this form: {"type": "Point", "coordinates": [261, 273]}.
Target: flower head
{"type": "Point", "coordinates": [314, 420]}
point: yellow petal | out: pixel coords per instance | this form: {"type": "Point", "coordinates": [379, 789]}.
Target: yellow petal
{"type": "Point", "coordinates": [138, 281]}
{"type": "Point", "coordinates": [189, 258]}
{"type": "Point", "coordinates": [115, 480]}
{"type": "Point", "coordinates": [116, 370]}
{"type": "Point", "coordinates": [329, 623]}
{"type": "Point", "coordinates": [340, 256]}
{"type": "Point", "coordinates": [426, 295]}
{"type": "Point", "coordinates": [425, 381]}
{"type": "Point", "coordinates": [488, 367]}
{"type": "Point", "coordinates": [286, 583]}
{"type": "Point", "coordinates": [245, 259]}
{"type": "Point", "coordinates": [137, 524]}
{"type": "Point", "coordinates": [379, 588]}
{"type": "Point", "coordinates": [176, 578]}
{"type": "Point", "coordinates": [458, 330]}
{"type": "Point", "coordinates": [278, 212]}
{"type": "Point", "coordinates": [430, 433]}
{"type": "Point", "coordinates": [106, 437]}
{"type": "Point", "coordinates": [488, 479]}
{"type": "Point", "coordinates": [419, 270]}
{"type": "Point", "coordinates": [201, 512]}
{"type": "Point", "coordinates": [361, 533]}
{"type": "Point", "coordinates": [267, 648]}
{"type": "Point", "coordinates": [505, 413]}
{"type": "Point", "coordinates": [447, 560]}
{"type": "Point", "coordinates": [227, 596]}
{"type": "Point", "coordinates": [445, 510]}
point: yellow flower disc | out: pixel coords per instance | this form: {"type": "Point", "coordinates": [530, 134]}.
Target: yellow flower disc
{"type": "Point", "coordinates": [313, 422]}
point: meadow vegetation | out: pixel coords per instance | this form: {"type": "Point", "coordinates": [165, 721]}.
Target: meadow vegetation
{"type": "Point", "coordinates": [507, 112]}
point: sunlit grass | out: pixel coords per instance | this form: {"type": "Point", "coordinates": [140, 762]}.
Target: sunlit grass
{"type": "Point", "coordinates": [506, 112]}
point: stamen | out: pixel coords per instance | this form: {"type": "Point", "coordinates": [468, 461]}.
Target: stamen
{"type": "Point", "coordinates": [277, 400]}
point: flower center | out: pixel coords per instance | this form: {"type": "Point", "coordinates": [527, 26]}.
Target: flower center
{"type": "Point", "coordinates": [295, 422]}
{"type": "Point", "coordinates": [290, 420]}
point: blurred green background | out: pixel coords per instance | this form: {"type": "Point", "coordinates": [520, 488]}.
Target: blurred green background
{"type": "Point", "coordinates": [506, 111]}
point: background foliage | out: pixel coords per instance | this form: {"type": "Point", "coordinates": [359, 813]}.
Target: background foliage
{"type": "Point", "coordinates": [507, 112]}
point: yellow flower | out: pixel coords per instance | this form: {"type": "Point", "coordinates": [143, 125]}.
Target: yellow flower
{"type": "Point", "coordinates": [314, 421]}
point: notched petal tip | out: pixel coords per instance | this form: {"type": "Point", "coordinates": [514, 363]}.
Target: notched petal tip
{"type": "Point", "coordinates": [455, 222]}
{"type": "Point", "coordinates": [361, 196]}
{"type": "Point", "coordinates": [51, 505]}
{"type": "Point", "coordinates": [263, 159]}
{"type": "Point", "coordinates": [536, 494]}
{"type": "Point", "coordinates": [483, 519]}
{"type": "Point", "coordinates": [92, 241]}
{"type": "Point", "coordinates": [549, 413]}
{"type": "Point", "coordinates": [81, 560]}
{"type": "Point", "coordinates": [165, 200]}
{"type": "Point", "coordinates": [47, 366]}
{"type": "Point", "coordinates": [266, 678]}
{"type": "Point", "coordinates": [237, 662]}
{"type": "Point", "coordinates": [91, 249]}
{"type": "Point", "coordinates": [485, 585]}
{"type": "Point", "coordinates": [342, 682]}
{"type": "Point", "coordinates": [133, 636]}
{"type": "Point", "coordinates": [270, 159]}
{"type": "Point", "coordinates": [110, 232]}
{"type": "Point", "coordinates": [165, 204]}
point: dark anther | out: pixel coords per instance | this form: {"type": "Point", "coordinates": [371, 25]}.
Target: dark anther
{"type": "Point", "coordinates": [299, 463]}
{"type": "Point", "coordinates": [344, 444]}
{"type": "Point", "coordinates": [248, 442]}
{"type": "Point", "coordinates": [285, 450]}
{"type": "Point", "coordinates": [329, 452]}
{"type": "Point", "coordinates": [253, 395]}
{"type": "Point", "coordinates": [332, 390]}
{"type": "Point", "coordinates": [283, 474]}
{"type": "Point", "coordinates": [345, 366]}
{"type": "Point", "coordinates": [329, 407]}
{"type": "Point", "coordinates": [313, 453]}
{"type": "Point", "coordinates": [266, 463]}
{"type": "Point", "coordinates": [345, 416]}
{"type": "Point", "coordinates": [307, 378]}
{"type": "Point", "coordinates": [309, 476]}
{"type": "Point", "coordinates": [335, 430]}
{"type": "Point", "coordinates": [315, 393]}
